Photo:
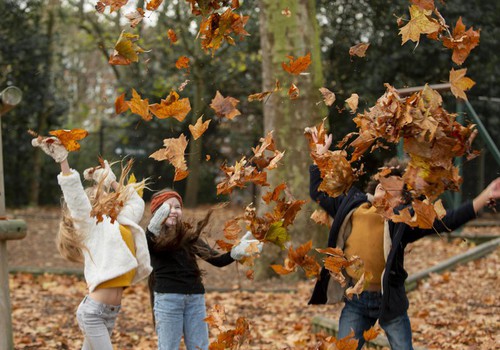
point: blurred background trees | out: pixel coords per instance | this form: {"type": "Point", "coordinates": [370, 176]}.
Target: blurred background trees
{"type": "Point", "coordinates": [56, 51]}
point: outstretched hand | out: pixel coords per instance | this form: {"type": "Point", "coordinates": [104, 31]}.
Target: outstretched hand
{"type": "Point", "coordinates": [490, 194]}
{"type": "Point", "coordinates": [248, 246]}
{"type": "Point", "coordinates": [100, 174]}
{"type": "Point", "coordinates": [321, 148]}
{"type": "Point", "coordinates": [51, 146]}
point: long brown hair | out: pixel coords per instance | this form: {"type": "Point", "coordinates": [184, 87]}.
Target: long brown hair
{"type": "Point", "coordinates": [70, 241]}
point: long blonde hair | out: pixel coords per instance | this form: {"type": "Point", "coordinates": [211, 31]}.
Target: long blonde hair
{"type": "Point", "coordinates": [70, 241]}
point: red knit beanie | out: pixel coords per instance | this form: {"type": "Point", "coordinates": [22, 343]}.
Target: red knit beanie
{"type": "Point", "coordinates": [161, 197]}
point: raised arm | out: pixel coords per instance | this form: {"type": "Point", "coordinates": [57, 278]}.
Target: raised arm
{"type": "Point", "coordinates": [491, 192]}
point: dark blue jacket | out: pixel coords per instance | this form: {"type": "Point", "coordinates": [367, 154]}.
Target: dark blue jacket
{"type": "Point", "coordinates": [394, 299]}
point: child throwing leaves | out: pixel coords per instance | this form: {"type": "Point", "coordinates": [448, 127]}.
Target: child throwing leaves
{"type": "Point", "coordinates": [176, 285]}
{"type": "Point", "coordinates": [359, 230]}
{"type": "Point", "coordinates": [113, 249]}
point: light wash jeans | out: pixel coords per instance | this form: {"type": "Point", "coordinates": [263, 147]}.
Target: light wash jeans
{"type": "Point", "coordinates": [96, 320]}
{"type": "Point", "coordinates": [361, 313]}
{"type": "Point", "coordinates": [181, 314]}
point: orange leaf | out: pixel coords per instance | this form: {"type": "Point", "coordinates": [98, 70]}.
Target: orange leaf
{"type": "Point", "coordinates": [359, 49]}
{"type": "Point", "coordinates": [328, 96]}
{"type": "Point", "coordinates": [297, 66]}
{"type": "Point", "coordinates": [135, 17]}
{"type": "Point", "coordinates": [126, 51]}
{"type": "Point", "coordinates": [113, 4]}
{"type": "Point", "coordinates": [352, 102]}
{"type": "Point", "coordinates": [199, 128]}
{"type": "Point", "coordinates": [262, 95]}
{"type": "Point", "coordinates": [420, 23]}
{"type": "Point", "coordinates": [293, 92]}
{"type": "Point", "coordinates": [153, 5]}
{"type": "Point", "coordinates": [172, 36]}
{"type": "Point", "coordinates": [225, 106]}
{"type": "Point", "coordinates": [460, 83]}
{"type": "Point", "coordinates": [462, 42]}
{"type": "Point", "coordinates": [371, 334]}
{"type": "Point", "coordinates": [424, 4]}
{"type": "Point", "coordinates": [321, 217]}
{"type": "Point", "coordinates": [172, 106]}
{"type": "Point", "coordinates": [232, 229]}
{"type": "Point", "coordinates": [174, 153]}
{"type": "Point", "coordinates": [69, 138]}
{"type": "Point", "coordinates": [182, 62]}
{"type": "Point", "coordinates": [139, 106]}
{"type": "Point", "coordinates": [121, 105]}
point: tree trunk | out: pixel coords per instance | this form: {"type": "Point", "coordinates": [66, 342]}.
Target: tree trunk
{"type": "Point", "coordinates": [283, 36]}
{"type": "Point", "coordinates": [195, 146]}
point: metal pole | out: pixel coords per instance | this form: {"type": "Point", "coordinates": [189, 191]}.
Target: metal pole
{"type": "Point", "coordinates": [9, 98]}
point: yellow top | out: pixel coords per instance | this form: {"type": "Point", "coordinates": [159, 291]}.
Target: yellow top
{"type": "Point", "coordinates": [367, 242]}
{"type": "Point", "coordinates": [124, 280]}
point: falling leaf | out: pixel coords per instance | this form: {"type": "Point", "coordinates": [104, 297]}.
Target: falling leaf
{"type": "Point", "coordinates": [352, 102]}
{"type": "Point", "coordinates": [182, 62]}
{"type": "Point", "coordinates": [174, 153]}
{"type": "Point", "coordinates": [121, 105]}
{"type": "Point", "coordinates": [328, 96]}
{"type": "Point", "coordinates": [207, 157]}
{"type": "Point", "coordinates": [420, 23]}
{"type": "Point", "coordinates": [286, 12]}
{"type": "Point", "coordinates": [183, 85]}
{"type": "Point", "coordinates": [172, 36]}
{"type": "Point", "coordinates": [299, 258]}
{"type": "Point", "coordinates": [171, 106]}
{"type": "Point", "coordinates": [126, 51]}
{"type": "Point", "coordinates": [69, 138]}
{"type": "Point", "coordinates": [321, 217]}
{"type": "Point", "coordinates": [113, 5]}
{"type": "Point", "coordinates": [424, 4]}
{"type": "Point", "coordinates": [359, 49]}
{"type": "Point", "coordinates": [199, 128]}
{"type": "Point", "coordinates": [153, 5]}
{"type": "Point", "coordinates": [462, 42]}
{"type": "Point", "coordinates": [139, 106]}
{"type": "Point", "coordinates": [293, 92]}
{"type": "Point", "coordinates": [135, 17]}
{"type": "Point", "coordinates": [262, 95]}
{"type": "Point", "coordinates": [460, 83]}
{"type": "Point", "coordinates": [371, 334]}
{"type": "Point", "coordinates": [216, 316]}
{"type": "Point", "coordinates": [225, 106]}
{"type": "Point", "coordinates": [297, 66]}
{"type": "Point", "coordinates": [231, 229]}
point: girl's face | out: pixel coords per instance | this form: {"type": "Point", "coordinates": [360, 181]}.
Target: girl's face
{"type": "Point", "coordinates": [175, 211]}
{"type": "Point", "coordinates": [393, 194]}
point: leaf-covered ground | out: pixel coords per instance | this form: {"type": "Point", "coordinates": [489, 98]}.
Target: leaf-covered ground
{"type": "Point", "coordinates": [459, 309]}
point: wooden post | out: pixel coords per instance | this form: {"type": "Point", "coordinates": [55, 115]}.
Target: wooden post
{"type": "Point", "coordinates": [9, 229]}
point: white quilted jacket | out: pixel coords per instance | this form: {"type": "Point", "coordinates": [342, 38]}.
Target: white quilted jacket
{"type": "Point", "coordinates": [108, 256]}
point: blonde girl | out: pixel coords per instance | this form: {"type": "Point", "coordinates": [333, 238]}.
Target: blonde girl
{"type": "Point", "coordinates": [113, 250]}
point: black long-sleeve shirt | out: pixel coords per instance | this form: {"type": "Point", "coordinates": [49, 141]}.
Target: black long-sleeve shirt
{"type": "Point", "coordinates": [177, 272]}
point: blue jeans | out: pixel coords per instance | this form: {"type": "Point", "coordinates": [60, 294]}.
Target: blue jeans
{"type": "Point", "coordinates": [361, 313]}
{"type": "Point", "coordinates": [96, 321]}
{"type": "Point", "coordinates": [181, 314]}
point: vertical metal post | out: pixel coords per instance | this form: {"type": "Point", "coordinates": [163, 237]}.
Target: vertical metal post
{"type": "Point", "coordinates": [9, 98]}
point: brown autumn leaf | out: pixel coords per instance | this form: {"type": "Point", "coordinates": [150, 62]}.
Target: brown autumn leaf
{"type": "Point", "coordinates": [69, 138]}
{"type": "Point", "coordinates": [113, 5]}
{"type": "Point", "coordinates": [139, 106]}
{"type": "Point", "coordinates": [293, 92]}
{"type": "Point", "coordinates": [216, 316]}
{"type": "Point", "coordinates": [352, 102]}
{"type": "Point", "coordinates": [336, 172]}
{"type": "Point", "coordinates": [174, 153]}
{"type": "Point", "coordinates": [299, 258]}
{"type": "Point", "coordinates": [182, 62]}
{"type": "Point", "coordinates": [172, 37]}
{"type": "Point", "coordinates": [420, 23]}
{"type": "Point", "coordinates": [359, 49]}
{"type": "Point", "coordinates": [231, 229]}
{"type": "Point", "coordinates": [171, 106]}
{"type": "Point", "coordinates": [460, 83]}
{"type": "Point", "coordinates": [262, 95]}
{"type": "Point", "coordinates": [297, 66]}
{"type": "Point", "coordinates": [462, 42]}
{"type": "Point", "coordinates": [135, 17]}
{"type": "Point", "coordinates": [126, 51]}
{"type": "Point", "coordinates": [274, 194]}
{"type": "Point", "coordinates": [199, 128]}
{"type": "Point", "coordinates": [121, 105]}
{"type": "Point", "coordinates": [225, 106]}
{"type": "Point", "coordinates": [424, 4]}
{"type": "Point", "coordinates": [153, 5]}
{"type": "Point", "coordinates": [321, 217]}
{"type": "Point", "coordinates": [328, 96]}
{"type": "Point", "coordinates": [286, 12]}
{"type": "Point", "coordinates": [371, 334]}
{"type": "Point", "coordinates": [215, 29]}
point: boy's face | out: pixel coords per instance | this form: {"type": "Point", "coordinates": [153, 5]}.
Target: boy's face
{"type": "Point", "coordinates": [390, 189]}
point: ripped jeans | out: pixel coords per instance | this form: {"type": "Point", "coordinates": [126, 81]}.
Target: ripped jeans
{"type": "Point", "coordinates": [96, 321]}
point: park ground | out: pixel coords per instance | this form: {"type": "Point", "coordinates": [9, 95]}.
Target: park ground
{"type": "Point", "coordinates": [458, 309]}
